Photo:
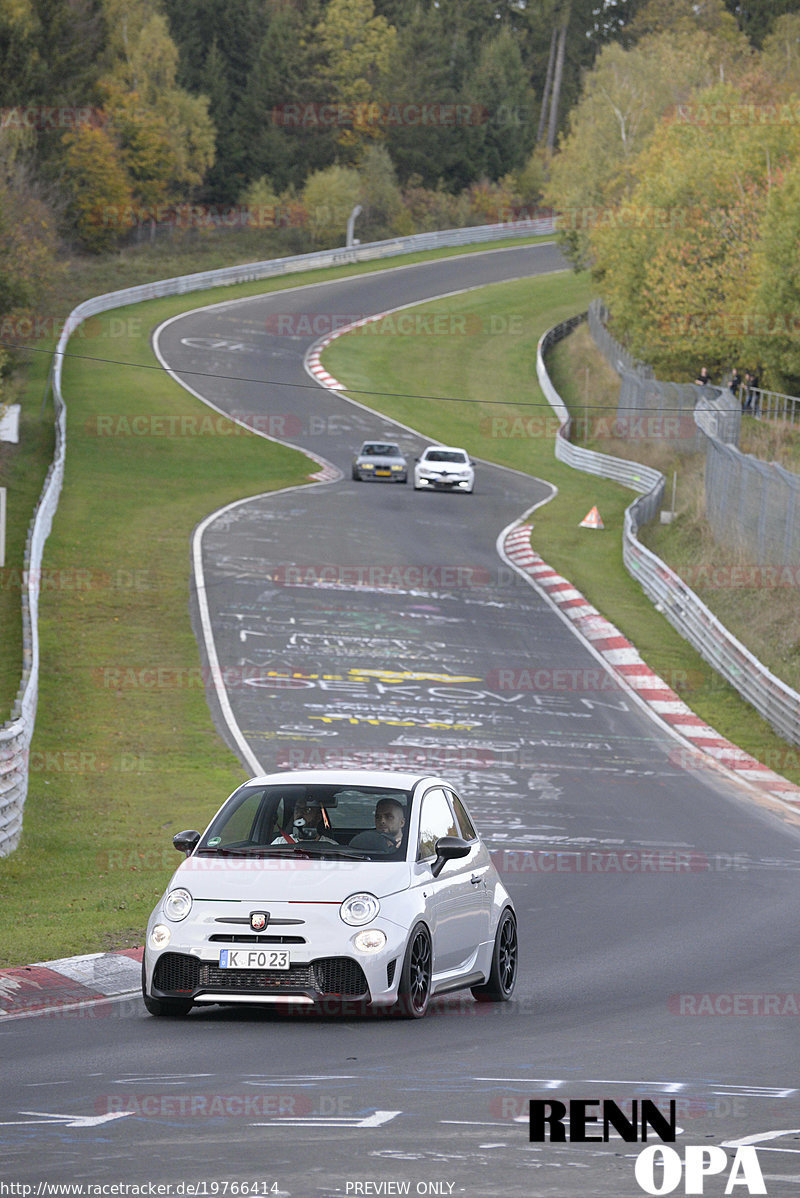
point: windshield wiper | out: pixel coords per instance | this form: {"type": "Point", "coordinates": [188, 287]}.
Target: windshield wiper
{"type": "Point", "coordinates": [255, 850]}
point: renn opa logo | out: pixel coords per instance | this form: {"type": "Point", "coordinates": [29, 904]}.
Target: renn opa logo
{"type": "Point", "coordinates": [659, 1169]}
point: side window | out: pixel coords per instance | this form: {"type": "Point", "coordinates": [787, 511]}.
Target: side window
{"type": "Point", "coordinates": [436, 819]}
{"type": "Point", "coordinates": [465, 823]}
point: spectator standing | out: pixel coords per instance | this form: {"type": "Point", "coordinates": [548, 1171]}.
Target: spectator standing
{"type": "Point", "coordinates": [755, 383]}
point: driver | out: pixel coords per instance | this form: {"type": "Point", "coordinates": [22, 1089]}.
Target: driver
{"type": "Point", "coordinates": [390, 819]}
{"type": "Point", "coordinates": [307, 824]}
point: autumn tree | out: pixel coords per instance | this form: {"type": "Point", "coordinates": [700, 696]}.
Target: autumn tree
{"type": "Point", "coordinates": [329, 197]}
{"type": "Point", "coordinates": [774, 334]}
{"type": "Point", "coordinates": [624, 98]}
{"type": "Point", "coordinates": [674, 260]}
{"type": "Point", "coordinates": [358, 48]}
{"type": "Point", "coordinates": [166, 135]}
{"type": "Point", "coordinates": [97, 187]}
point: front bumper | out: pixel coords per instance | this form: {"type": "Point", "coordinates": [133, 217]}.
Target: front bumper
{"type": "Point", "coordinates": [324, 981]}
{"type": "Point", "coordinates": [325, 967]}
{"type": "Point", "coordinates": [447, 482]}
{"type": "Point", "coordinates": [382, 476]}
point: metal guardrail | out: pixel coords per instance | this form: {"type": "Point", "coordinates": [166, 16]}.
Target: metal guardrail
{"type": "Point", "coordinates": [772, 698]}
{"type": "Point", "coordinates": [770, 405]}
{"type": "Point", "coordinates": [621, 470]}
{"type": "Point", "coordinates": [16, 734]}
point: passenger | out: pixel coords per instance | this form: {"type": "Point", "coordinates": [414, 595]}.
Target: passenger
{"type": "Point", "coordinates": [307, 824]}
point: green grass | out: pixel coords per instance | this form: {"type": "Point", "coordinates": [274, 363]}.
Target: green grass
{"type": "Point", "coordinates": [500, 366]}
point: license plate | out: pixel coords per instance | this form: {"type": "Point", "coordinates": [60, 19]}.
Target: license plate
{"type": "Point", "coordinates": [384, 473]}
{"type": "Point", "coordinates": [254, 958]}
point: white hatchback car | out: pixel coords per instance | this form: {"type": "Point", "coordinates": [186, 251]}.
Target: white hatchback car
{"type": "Point", "coordinates": [332, 888]}
{"type": "Point", "coordinates": [444, 468]}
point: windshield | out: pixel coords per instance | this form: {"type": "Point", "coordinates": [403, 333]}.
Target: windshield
{"type": "Point", "coordinates": [445, 455]}
{"type": "Point", "coordinates": [379, 449]}
{"type": "Point", "coordinates": [369, 822]}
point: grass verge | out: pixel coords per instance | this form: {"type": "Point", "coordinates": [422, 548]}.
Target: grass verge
{"type": "Point", "coordinates": [497, 362]}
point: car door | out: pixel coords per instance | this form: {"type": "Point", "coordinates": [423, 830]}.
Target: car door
{"type": "Point", "coordinates": [457, 897]}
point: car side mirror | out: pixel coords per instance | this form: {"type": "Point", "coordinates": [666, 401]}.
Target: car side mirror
{"type": "Point", "coordinates": [186, 842]}
{"type": "Point", "coordinates": [449, 848]}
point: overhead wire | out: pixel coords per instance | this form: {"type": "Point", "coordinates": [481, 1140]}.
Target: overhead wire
{"type": "Point", "coordinates": [312, 386]}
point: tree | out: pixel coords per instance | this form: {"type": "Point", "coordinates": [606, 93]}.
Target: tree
{"type": "Point", "coordinates": [624, 98]}
{"type": "Point", "coordinates": [380, 197]}
{"type": "Point", "coordinates": [273, 131]}
{"type": "Point", "coordinates": [100, 200]}
{"type": "Point", "coordinates": [27, 239]}
{"type": "Point", "coordinates": [165, 135]}
{"type": "Point", "coordinates": [500, 86]}
{"type": "Point", "coordinates": [358, 48]}
{"type": "Point", "coordinates": [329, 197]}
{"type": "Point", "coordinates": [675, 261]}
{"type": "Point", "coordinates": [781, 56]}
{"type": "Point", "coordinates": [774, 335]}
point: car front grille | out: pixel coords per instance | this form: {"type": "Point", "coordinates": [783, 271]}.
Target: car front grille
{"type": "Point", "coordinates": [257, 981]}
{"type": "Point", "coordinates": [340, 975]}
{"type": "Point", "coordinates": [247, 938]}
{"type": "Point", "coordinates": [176, 973]}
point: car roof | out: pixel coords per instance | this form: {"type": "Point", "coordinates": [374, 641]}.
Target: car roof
{"type": "Point", "coordinates": [387, 778]}
{"type": "Point", "coordinates": [450, 448]}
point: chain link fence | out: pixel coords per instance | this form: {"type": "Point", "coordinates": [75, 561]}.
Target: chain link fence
{"type": "Point", "coordinates": [753, 507]}
{"type": "Point", "coordinates": [651, 409]}
{"type": "Point", "coordinates": [16, 734]}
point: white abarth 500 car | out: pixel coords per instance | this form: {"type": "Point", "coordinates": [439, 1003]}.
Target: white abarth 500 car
{"type": "Point", "coordinates": [324, 888]}
{"type": "Point", "coordinates": [444, 468]}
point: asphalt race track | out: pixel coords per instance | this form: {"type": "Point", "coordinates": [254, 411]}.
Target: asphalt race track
{"type": "Point", "coordinates": [658, 906]}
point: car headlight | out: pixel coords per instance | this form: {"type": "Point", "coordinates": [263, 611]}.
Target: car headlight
{"type": "Point", "coordinates": [367, 466]}
{"type": "Point", "coordinates": [397, 467]}
{"type": "Point", "coordinates": [359, 908]}
{"type": "Point", "coordinates": [371, 940]}
{"type": "Point", "coordinates": [177, 904]}
{"type": "Point", "coordinates": [160, 936]}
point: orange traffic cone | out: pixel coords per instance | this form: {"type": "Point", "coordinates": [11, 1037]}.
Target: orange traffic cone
{"type": "Point", "coordinates": [592, 520]}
